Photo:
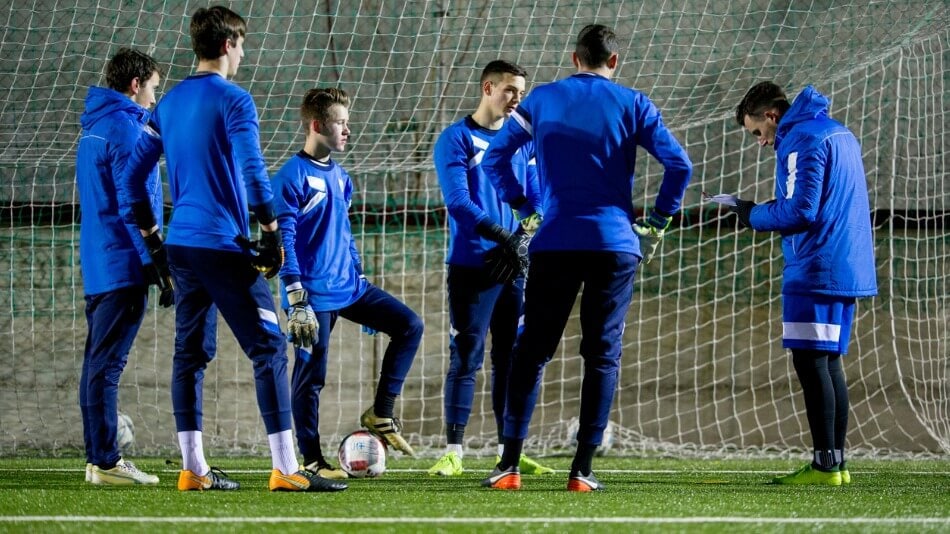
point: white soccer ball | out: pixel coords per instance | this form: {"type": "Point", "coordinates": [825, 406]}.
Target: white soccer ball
{"type": "Point", "coordinates": [125, 432]}
{"type": "Point", "coordinates": [606, 443]}
{"type": "Point", "coordinates": [362, 455]}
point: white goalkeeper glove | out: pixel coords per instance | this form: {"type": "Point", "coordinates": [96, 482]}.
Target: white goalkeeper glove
{"type": "Point", "coordinates": [301, 321]}
{"type": "Point", "coordinates": [650, 230]}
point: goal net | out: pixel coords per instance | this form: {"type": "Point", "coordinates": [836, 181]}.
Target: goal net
{"type": "Point", "coordinates": [703, 371]}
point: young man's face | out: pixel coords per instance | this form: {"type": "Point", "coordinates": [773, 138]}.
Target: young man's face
{"type": "Point", "coordinates": [505, 91]}
{"type": "Point", "coordinates": [335, 130]}
{"type": "Point", "coordinates": [762, 127]}
{"type": "Point", "coordinates": [235, 51]}
{"type": "Point", "coordinates": [145, 96]}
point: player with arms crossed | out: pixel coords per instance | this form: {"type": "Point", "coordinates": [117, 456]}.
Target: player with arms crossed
{"type": "Point", "coordinates": [116, 267]}
{"type": "Point", "coordinates": [208, 129]}
{"type": "Point", "coordinates": [323, 280]}
{"type": "Point", "coordinates": [822, 212]}
{"type": "Point", "coordinates": [481, 296]}
{"type": "Point", "coordinates": [586, 130]}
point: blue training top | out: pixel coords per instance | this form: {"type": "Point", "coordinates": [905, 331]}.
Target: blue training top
{"type": "Point", "coordinates": [469, 195]}
{"type": "Point", "coordinates": [586, 130]}
{"type": "Point", "coordinates": [111, 249]}
{"type": "Point", "coordinates": [208, 129]}
{"type": "Point", "coordinates": [312, 206]}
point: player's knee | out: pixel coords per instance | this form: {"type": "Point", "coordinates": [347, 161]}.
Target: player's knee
{"type": "Point", "coordinates": [414, 328]}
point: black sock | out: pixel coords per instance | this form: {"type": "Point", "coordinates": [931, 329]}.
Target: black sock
{"type": "Point", "coordinates": [384, 404]}
{"type": "Point", "coordinates": [812, 370]}
{"type": "Point", "coordinates": [454, 434]}
{"type": "Point", "coordinates": [824, 460]}
{"type": "Point", "coordinates": [512, 453]}
{"type": "Point", "coordinates": [583, 459]}
{"type": "Point", "coordinates": [316, 457]}
{"type": "Point", "coordinates": [842, 403]}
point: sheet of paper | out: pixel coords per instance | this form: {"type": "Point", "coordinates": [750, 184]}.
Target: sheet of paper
{"type": "Point", "coordinates": [721, 198]}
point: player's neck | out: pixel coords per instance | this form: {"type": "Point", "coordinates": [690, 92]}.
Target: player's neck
{"type": "Point", "coordinates": [316, 150]}
{"type": "Point", "coordinates": [217, 66]}
{"type": "Point", "coordinates": [486, 119]}
{"type": "Point", "coordinates": [604, 71]}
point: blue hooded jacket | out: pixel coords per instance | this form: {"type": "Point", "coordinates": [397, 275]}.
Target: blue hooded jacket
{"type": "Point", "coordinates": [821, 207]}
{"type": "Point", "coordinates": [111, 249]}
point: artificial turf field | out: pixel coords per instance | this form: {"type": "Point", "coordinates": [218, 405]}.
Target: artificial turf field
{"type": "Point", "coordinates": [642, 495]}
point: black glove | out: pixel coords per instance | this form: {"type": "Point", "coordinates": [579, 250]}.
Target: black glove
{"type": "Point", "coordinates": [157, 273]}
{"type": "Point", "coordinates": [743, 209]}
{"type": "Point", "coordinates": [508, 260]}
{"type": "Point", "coordinates": [267, 253]}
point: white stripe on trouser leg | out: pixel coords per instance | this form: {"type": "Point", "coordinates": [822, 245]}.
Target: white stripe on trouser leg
{"type": "Point", "coordinates": [269, 318]}
{"type": "Point", "coordinates": [812, 331]}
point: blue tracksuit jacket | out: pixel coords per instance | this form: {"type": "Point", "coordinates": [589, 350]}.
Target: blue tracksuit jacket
{"type": "Point", "coordinates": [111, 249]}
{"type": "Point", "coordinates": [821, 207]}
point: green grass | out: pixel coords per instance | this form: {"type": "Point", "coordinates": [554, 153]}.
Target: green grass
{"type": "Point", "coordinates": [643, 495]}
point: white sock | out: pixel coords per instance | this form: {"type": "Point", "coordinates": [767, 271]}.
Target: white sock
{"type": "Point", "coordinates": [501, 449]}
{"type": "Point", "coordinates": [454, 447]}
{"type": "Point", "coordinates": [283, 456]}
{"type": "Point", "coordinates": [193, 452]}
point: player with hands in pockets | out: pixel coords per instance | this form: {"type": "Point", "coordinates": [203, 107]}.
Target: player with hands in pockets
{"type": "Point", "coordinates": [821, 210]}
{"type": "Point", "coordinates": [322, 280]}
{"type": "Point", "coordinates": [207, 127]}
{"type": "Point", "coordinates": [487, 258]}
{"type": "Point", "coordinates": [586, 130]}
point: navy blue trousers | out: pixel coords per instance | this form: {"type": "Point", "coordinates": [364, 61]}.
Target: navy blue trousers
{"type": "Point", "coordinates": [478, 305]}
{"type": "Point", "coordinates": [113, 320]}
{"type": "Point", "coordinates": [208, 281]}
{"type": "Point", "coordinates": [554, 279]}
{"type": "Point", "coordinates": [376, 309]}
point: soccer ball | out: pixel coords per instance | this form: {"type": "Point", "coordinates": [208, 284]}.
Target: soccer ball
{"type": "Point", "coordinates": [605, 444]}
{"type": "Point", "coordinates": [125, 432]}
{"type": "Point", "coordinates": [362, 455]}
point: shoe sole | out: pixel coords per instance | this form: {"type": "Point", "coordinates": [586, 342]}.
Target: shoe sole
{"type": "Point", "coordinates": [507, 482]}
{"type": "Point", "coordinates": [581, 487]}
{"type": "Point", "coordinates": [276, 484]}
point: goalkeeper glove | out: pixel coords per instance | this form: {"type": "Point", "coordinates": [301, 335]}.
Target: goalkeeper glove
{"type": "Point", "coordinates": [267, 253]}
{"type": "Point", "coordinates": [530, 223]}
{"type": "Point", "coordinates": [743, 209]}
{"type": "Point", "coordinates": [650, 230]}
{"type": "Point", "coordinates": [157, 272]}
{"type": "Point", "coordinates": [301, 321]}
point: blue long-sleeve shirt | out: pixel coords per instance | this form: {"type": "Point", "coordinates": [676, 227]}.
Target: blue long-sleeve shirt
{"type": "Point", "coordinates": [821, 209]}
{"type": "Point", "coordinates": [586, 130]}
{"type": "Point", "coordinates": [312, 203]}
{"type": "Point", "coordinates": [468, 194]}
{"type": "Point", "coordinates": [208, 129]}
{"type": "Point", "coordinates": [111, 249]}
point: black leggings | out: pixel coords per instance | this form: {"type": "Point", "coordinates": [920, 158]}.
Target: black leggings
{"type": "Point", "coordinates": [826, 396]}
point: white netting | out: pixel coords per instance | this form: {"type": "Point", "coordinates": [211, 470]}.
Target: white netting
{"type": "Point", "coordinates": [703, 367]}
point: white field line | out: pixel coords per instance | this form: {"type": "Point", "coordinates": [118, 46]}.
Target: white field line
{"type": "Point", "coordinates": [485, 520]}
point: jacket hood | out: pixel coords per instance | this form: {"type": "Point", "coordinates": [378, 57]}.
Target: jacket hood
{"type": "Point", "coordinates": [101, 101]}
{"type": "Point", "coordinates": [808, 105]}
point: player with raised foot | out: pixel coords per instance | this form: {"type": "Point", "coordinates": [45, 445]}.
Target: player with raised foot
{"type": "Point", "coordinates": [322, 280]}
